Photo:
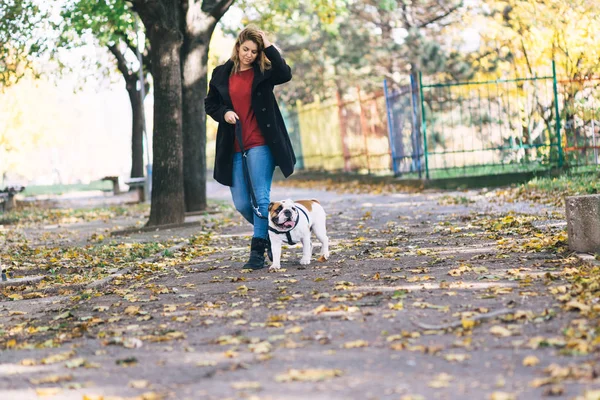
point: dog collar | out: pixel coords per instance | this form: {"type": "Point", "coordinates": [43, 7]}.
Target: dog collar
{"type": "Point", "coordinates": [287, 233]}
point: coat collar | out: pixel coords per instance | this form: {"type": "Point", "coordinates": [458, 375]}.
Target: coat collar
{"type": "Point", "coordinates": [222, 81]}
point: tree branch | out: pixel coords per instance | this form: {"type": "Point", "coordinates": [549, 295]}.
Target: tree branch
{"type": "Point", "coordinates": [216, 8]}
{"type": "Point", "coordinates": [121, 62]}
{"type": "Point", "coordinates": [442, 16]}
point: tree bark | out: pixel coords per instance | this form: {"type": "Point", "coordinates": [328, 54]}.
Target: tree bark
{"type": "Point", "coordinates": [137, 131]}
{"type": "Point", "coordinates": [162, 22]}
{"type": "Point", "coordinates": [137, 114]}
{"type": "Point", "coordinates": [194, 59]}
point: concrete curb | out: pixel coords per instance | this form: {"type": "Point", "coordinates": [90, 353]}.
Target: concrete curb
{"type": "Point", "coordinates": [588, 258]}
{"type": "Point", "coordinates": [21, 281]}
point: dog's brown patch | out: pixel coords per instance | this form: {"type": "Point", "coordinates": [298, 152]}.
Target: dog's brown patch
{"type": "Point", "coordinates": [307, 203]}
{"type": "Point", "coordinates": [273, 206]}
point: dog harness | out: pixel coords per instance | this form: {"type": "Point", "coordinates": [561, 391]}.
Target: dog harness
{"type": "Point", "coordinates": [287, 233]}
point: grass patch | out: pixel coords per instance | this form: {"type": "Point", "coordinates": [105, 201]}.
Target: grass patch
{"type": "Point", "coordinates": [62, 189]}
{"type": "Point", "coordinates": [552, 190]}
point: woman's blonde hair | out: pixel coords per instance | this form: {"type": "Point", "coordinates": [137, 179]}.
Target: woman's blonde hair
{"type": "Point", "coordinates": [251, 33]}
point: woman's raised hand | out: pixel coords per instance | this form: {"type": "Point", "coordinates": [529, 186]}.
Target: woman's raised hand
{"type": "Point", "coordinates": [265, 39]}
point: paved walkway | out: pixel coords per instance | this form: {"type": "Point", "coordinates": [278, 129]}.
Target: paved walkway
{"type": "Point", "coordinates": [434, 295]}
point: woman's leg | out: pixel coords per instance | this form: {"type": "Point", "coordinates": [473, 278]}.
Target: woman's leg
{"type": "Point", "coordinates": [261, 166]}
{"type": "Point", "coordinates": [239, 190]}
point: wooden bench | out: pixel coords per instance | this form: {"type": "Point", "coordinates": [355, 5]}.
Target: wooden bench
{"type": "Point", "coordinates": [115, 183]}
{"type": "Point", "coordinates": [140, 185]}
{"type": "Point", "coordinates": [7, 197]}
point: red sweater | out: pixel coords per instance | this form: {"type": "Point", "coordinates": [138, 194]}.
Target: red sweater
{"type": "Point", "coordinates": [240, 91]}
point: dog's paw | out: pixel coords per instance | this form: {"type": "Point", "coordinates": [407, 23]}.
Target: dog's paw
{"type": "Point", "coordinates": [304, 261]}
{"type": "Point", "coordinates": [274, 267]}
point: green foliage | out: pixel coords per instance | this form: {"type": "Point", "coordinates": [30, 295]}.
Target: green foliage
{"type": "Point", "coordinates": [20, 39]}
{"type": "Point", "coordinates": [566, 185]}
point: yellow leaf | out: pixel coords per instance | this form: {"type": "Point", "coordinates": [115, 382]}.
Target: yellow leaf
{"type": "Point", "coordinates": [440, 381]}
{"type": "Point", "coordinates": [231, 354]}
{"type": "Point", "coordinates": [260, 348]}
{"type": "Point", "coordinates": [92, 397]}
{"type": "Point", "coordinates": [467, 323]}
{"type": "Point", "coordinates": [246, 385]}
{"type": "Point", "coordinates": [591, 394]}
{"type": "Point", "coordinates": [541, 382]}
{"type": "Point", "coordinates": [132, 310]}
{"type": "Point", "coordinates": [52, 391]}
{"type": "Point", "coordinates": [531, 361]}
{"type": "Point", "coordinates": [576, 305]}
{"type": "Point", "coordinates": [355, 344]}
{"type": "Point", "coordinates": [58, 357]}
{"type": "Point", "coordinates": [308, 375]}
{"type": "Point", "coordinates": [206, 363]}
{"type": "Point", "coordinates": [458, 357]}
{"type": "Point", "coordinates": [502, 396]}
{"type": "Point", "coordinates": [294, 329]}
{"type": "Point", "coordinates": [501, 331]}
{"type": "Point", "coordinates": [139, 384]}
{"type": "Point", "coordinates": [51, 379]}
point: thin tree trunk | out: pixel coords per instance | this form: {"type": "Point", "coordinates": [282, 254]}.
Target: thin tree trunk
{"type": "Point", "coordinates": [137, 132]}
{"type": "Point", "coordinates": [194, 80]}
{"type": "Point", "coordinates": [167, 171]}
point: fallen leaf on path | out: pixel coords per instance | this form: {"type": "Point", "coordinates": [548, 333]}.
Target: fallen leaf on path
{"type": "Point", "coordinates": [503, 396]}
{"type": "Point", "coordinates": [56, 358]}
{"type": "Point", "coordinates": [139, 384]}
{"type": "Point", "coordinates": [246, 385]}
{"type": "Point", "coordinates": [356, 344]}
{"type": "Point", "coordinates": [308, 375]}
{"type": "Point", "coordinates": [500, 331]}
{"type": "Point", "coordinates": [531, 361]}
{"type": "Point", "coordinates": [43, 392]}
{"type": "Point", "coordinates": [440, 381]}
{"type": "Point", "coordinates": [51, 379]}
{"type": "Point", "coordinates": [458, 357]}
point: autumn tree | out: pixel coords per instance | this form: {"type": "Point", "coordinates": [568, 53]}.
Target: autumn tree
{"type": "Point", "coordinates": [19, 20]}
{"type": "Point", "coordinates": [521, 39]}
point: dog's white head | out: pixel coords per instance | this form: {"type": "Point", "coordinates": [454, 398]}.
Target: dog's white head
{"type": "Point", "coordinates": [283, 214]}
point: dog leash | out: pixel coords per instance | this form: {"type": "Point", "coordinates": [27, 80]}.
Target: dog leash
{"type": "Point", "coordinates": [238, 134]}
{"type": "Point", "coordinates": [287, 233]}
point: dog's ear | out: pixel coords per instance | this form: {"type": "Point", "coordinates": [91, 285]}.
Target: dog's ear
{"type": "Point", "coordinates": [270, 206]}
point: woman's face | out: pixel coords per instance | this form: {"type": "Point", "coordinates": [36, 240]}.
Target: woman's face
{"type": "Point", "coordinates": [247, 53]}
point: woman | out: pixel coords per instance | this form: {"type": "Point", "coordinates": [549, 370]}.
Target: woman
{"type": "Point", "coordinates": [241, 92]}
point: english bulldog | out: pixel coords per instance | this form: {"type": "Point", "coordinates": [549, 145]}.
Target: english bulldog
{"type": "Point", "coordinates": [292, 222]}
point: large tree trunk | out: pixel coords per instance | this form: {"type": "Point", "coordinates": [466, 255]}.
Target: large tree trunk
{"type": "Point", "coordinates": [137, 132]}
{"type": "Point", "coordinates": [162, 27]}
{"type": "Point", "coordinates": [194, 76]}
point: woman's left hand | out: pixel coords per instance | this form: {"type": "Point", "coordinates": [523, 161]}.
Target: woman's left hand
{"type": "Point", "coordinates": [265, 39]}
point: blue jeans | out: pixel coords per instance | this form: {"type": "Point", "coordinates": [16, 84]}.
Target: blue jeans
{"type": "Point", "coordinates": [260, 166]}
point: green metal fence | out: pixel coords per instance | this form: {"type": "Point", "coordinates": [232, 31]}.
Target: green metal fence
{"type": "Point", "coordinates": [513, 125]}
{"type": "Point", "coordinates": [490, 127]}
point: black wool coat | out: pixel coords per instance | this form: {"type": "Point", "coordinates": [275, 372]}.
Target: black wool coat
{"type": "Point", "coordinates": [268, 115]}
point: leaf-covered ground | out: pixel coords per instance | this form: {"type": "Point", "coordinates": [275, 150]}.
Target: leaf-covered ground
{"type": "Point", "coordinates": [427, 295]}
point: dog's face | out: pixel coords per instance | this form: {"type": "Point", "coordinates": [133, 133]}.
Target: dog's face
{"type": "Point", "coordinates": [283, 214]}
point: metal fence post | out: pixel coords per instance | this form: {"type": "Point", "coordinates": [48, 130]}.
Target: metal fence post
{"type": "Point", "coordinates": [391, 130]}
{"type": "Point", "coordinates": [557, 125]}
{"type": "Point", "coordinates": [423, 125]}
